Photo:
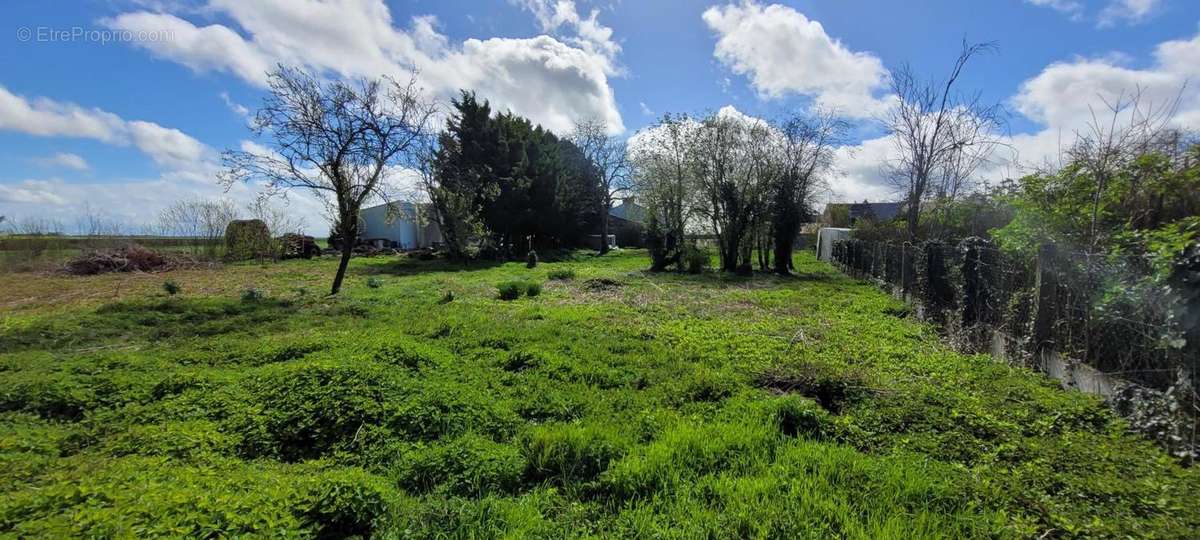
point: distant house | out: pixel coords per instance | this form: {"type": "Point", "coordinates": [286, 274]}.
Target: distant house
{"type": "Point", "coordinates": [627, 223]}
{"type": "Point", "coordinates": [408, 226]}
{"type": "Point", "coordinates": [847, 214]}
{"type": "Point", "coordinates": [411, 227]}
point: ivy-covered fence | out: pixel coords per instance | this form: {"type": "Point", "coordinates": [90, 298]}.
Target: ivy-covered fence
{"type": "Point", "coordinates": [1090, 320]}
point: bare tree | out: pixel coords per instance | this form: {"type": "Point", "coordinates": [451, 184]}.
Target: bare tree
{"type": "Point", "coordinates": [732, 169]}
{"type": "Point", "coordinates": [806, 152]}
{"type": "Point", "coordinates": [339, 140]}
{"type": "Point", "coordinates": [200, 219]}
{"type": "Point", "coordinates": [662, 166]}
{"type": "Point", "coordinates": [609, 155]}
{"type": "Point", "coordinates": [1128, 127]}
{"type": "Point", "coordinates": [278, 221]}
{"type": "Point", "coordinates": [941, 135]}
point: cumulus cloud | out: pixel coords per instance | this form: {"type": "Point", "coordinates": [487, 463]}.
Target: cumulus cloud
{"type": "Point", "coordinates": [1064, 96]}
{"type": "Point", "coordinates": [549, 80]}
{"type": "Point", "coordinates": [784, 52]}
{"type": "Point", "coordinates": [65, 160]}
{"type": "Point", "coordinates": [589, 34]}
{"type": "Point", "coordinates": [44, 117]}
{"type": "Point", "coordinates": [47, 118]}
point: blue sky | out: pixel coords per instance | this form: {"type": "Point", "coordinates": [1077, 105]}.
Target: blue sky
{"type": "Point", "coordinates": [123, 105]}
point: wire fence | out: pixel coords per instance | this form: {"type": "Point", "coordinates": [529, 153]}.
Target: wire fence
{"type": "Point", "coordinates": [1087, 308]}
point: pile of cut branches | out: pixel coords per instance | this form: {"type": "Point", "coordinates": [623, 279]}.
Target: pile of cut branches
{"type": "Point", "coordinates": [131, 258]}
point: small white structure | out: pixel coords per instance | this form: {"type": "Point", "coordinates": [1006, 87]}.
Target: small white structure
{"type": "Point", "coordinates": [404, 231]}
{"type": "Point", "coordinates": [825, 239]}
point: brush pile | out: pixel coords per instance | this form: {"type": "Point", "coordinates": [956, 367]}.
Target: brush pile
{"type": "Point", "coordinates": [131, 258]}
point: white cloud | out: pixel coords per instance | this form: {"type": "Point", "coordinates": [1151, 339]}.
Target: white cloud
{"type": "Point", "coordinates": [1071, 8]}
{"type": "Point", "coordinates": [65, 160]}
{"type": "Point", "coordinates": [44, 117]}
{"type": "Point", "coordinates": [135, 203]}
{"type": "Point", "coordinates": [234, 106]}
{"type": "Point", "coordinates": [548, 80]}
{"type": "Point", "coordinates": [1131, 11]}
{"type": "Point", "coordinates": [784, 52]}
{"type": "Point", "coordinates": [37, 192]}
{"type": "Point", "coordinates": [1116, 11]}
{"type": "Point", "coordinates": [1064, 95]}
{"type": "Point", "coordinates": [1061, 99]}
{"type": "Point", "coordinates": [646, 110]}
{"type": "Point", "coordinates": [589, 33]}
{"type": "Point", "coordinates": [858, 172]}
{"type": "Point", "coordinates": [47, 118]}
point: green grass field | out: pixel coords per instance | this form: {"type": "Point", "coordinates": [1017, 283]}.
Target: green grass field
{"type": "Point", "coordinates": [613, 403]}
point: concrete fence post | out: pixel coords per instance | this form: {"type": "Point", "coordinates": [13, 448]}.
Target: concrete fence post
{"type": "Point", "coordinates": [1046, 285]}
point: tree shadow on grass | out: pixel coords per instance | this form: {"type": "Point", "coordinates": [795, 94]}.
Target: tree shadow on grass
{"type": "Point", "coordinates": [148, 320]}
{"type": "Point", "coordinates": [404, 266]}
{"type": "Point", "coordinates": [723, 279]}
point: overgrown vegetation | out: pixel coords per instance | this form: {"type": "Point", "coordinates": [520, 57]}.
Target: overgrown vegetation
{"type": "Point", "coordinates": [622, 403]}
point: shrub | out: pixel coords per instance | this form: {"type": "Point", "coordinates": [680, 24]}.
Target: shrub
{"type": "Point", "coordinates": [510, 290]}
{"type": "Point", "coordinates": [253, 294]}
{"type": "Point", "coordinates": [374, 282]}
{"type": "Point", "coordinates": [562, 274]}
{"type": "Point", "coordinates": [247, 239]}
{"type": "Point", "coordinates": [696, 259]}
{"type": "Point", "coordinates": [172, 288]}
{"type": "Point", "coordinates": [531, 259]}
{"type": "Point", "coordinates": [303, 410]}
{"type": "Point", "coordinates": [349, 503]}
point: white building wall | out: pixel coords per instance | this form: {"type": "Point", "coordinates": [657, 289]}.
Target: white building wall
{"type": "Point", "coordinates": [825, 239]}
{"type": "Point", "coordinates": [402, 230]}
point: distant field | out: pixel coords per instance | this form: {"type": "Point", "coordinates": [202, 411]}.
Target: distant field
{"type": "Point", "coordinates": [25, 252]}
{"type": "Point", "coordinates": [613, 403]}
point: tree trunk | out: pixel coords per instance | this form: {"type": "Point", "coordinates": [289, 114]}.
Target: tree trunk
{"type": "Point", "coordinates": [349, 239]}
{"type": "Point", "coordinates": [783, 255]}
{"type": "Point", "coordinates": [914, 214]}
{"type": "Point", "coordinates": [604, 229]}
{"type": "Point", "coordinates": [347, 250]}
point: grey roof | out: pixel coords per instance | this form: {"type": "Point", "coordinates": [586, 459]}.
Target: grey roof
{"type": "Point", "coordinates": [629, 211]}
{"type": "Point", "coordinates": [878, 211]}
